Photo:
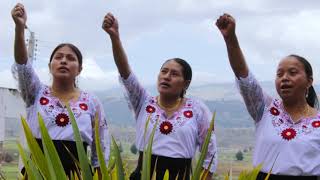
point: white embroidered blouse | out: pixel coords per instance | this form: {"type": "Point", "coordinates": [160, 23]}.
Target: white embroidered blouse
{"type": "Point", "coordinates": [297, 145]}
{"type": "Point", "coordinates": [39, 99]}
{"type": "Point", "coordinates": [177, 136]}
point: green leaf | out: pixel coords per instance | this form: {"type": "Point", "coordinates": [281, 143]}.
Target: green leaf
{"type": "Point", "coordinates": [55, 166]}
{"type": "Point", "coordinates": [36, 152]}
{"type": "Point", "coordinates": [101, 159]}
{"type": "Point", "coordinates": [146, 164]}
{"type": "Point", "coordinates": [205, 174]}
{"type": "Point", "coordinates": [166, 175]}
{"type": "Point", "coordinates": [84, 162]}
{"type": "Point", "coordinates": [197, 171]}
{"type": "Point", "coordinates": [118, 161]}
{"type": "Point", "coordinates": [29, 165]}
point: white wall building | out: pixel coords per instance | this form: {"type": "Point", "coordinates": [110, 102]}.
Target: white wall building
{"type": "Point", "coordinates": [12, 108]}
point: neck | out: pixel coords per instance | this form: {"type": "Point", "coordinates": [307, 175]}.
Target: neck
{"type": "Point", "coordinates": [63, 87]}
{"type": "Point", "coordinates": [298, 109]}
{"type": "Point", "coordinates": [169, 101]}
{"type": "Point", "coordinates": [295, 104]}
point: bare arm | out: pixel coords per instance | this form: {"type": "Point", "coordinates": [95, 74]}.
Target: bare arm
{"type": "Point", "coordinates": [110, 25]}
{"type": "Point", "coordinates": [227, 25]}
{"type": "Point", "coordinates": [19, 16]}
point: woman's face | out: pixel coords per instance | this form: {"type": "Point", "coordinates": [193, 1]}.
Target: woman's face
{"type": "Point", "coordinates": [65, 64]}
{"type": "Point", "coordinates": [291, 80]}
{"type": "Point", "coordinates": [171, 80]}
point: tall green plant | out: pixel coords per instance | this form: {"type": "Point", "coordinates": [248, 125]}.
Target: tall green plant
{"type": "Point", "coordinates": [146, 164]}
{"type": "Point", "coordinates": [198, 170]}
{"type": "Point", "coordinates": [84, 162]}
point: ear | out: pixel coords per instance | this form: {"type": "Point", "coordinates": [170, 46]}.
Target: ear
{"type": "Point", "coordinates": [187, 83]}
{"type": "Point", "coordinates": [80, 69]}
{"type": "Point", "coordinates": [49, 67]}
{"type": "Point", "coordinates": [310, 81]}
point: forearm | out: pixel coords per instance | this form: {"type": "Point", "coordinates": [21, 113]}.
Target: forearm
{"type": "Point", "coordinates": [20, 49]}
{"type": "Point", "coordinates": [120, 57]}
{"type": "Point", "coordinates": [236, 58]}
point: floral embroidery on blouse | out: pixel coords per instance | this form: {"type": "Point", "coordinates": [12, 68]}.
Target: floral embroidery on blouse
{"type": "Point", "coordinates": [288, 134]}
{"type": "Point", "coordinates": [150, 109]}
{"type": "Point", "coordinates": [44, 101]}
{"type": "Point", "coordinates": [188, 114]}
{"type": "Point", "coordinates": [83, 106]}
{"type": "Point", "coordinates": [285, 127]}
{"type": "Point", "coordinates": [316, 124]}
{"type": "Point", "coordinates": [62, 119]}
{"type": "Point", "coordinates": [165, 127]}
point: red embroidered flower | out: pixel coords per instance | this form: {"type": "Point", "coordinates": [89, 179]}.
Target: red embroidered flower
{"type": "Point", "coordinates": [274, 111]}
{"type": "Point", "coordinates": [44, 101]}
{"type": "Point", "coordinates": [288, 134]}
{"type": "Point", "coordinates": [150, 109]}
{"type": "Point", "coordinates": [188, 114]}
{"type": "Point", "coordinates": [83, 106]}
{"type": "Point", "coordinates": [316, 124]}
{"type": "Point", "coordinates": [166, 127]}
{"type": "Point", "coordinates": [62, 119]}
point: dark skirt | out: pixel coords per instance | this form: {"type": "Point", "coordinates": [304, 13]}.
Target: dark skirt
{"type": "Point", "coordinates": [262, 175]}
{"type": "Point", "coordinates": [65, 157]}
{"type": "Point", "coordinates": [180, 167]}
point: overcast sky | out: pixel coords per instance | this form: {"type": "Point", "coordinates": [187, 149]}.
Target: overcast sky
{"type": "Point", "coordinates": [153, 31]}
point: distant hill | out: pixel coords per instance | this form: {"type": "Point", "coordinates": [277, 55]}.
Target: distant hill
{"type": "Point", "coordinates": [223, 98]}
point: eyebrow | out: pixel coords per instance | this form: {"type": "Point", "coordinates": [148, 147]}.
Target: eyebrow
{"type": "Point", "coordinates": [68, 54]}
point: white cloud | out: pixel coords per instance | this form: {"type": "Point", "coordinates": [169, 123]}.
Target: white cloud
{"type": "Point", "coordinates": [267, 29]}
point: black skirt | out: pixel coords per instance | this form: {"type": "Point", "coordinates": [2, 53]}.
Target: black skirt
{"type": "Point", "coordinates": [65, 157]}
{"type": "Point", "coordinates": [180, 167]}
{"type": "Point", "coordinates": [262, 175]}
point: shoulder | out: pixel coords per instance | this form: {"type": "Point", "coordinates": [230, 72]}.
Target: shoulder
{"type": "Point", "coordinates": [198, 105]}
{"type": "Point", "coordinates": [89, 98]}
{"type": "Point", "coordinates": [196, 102]}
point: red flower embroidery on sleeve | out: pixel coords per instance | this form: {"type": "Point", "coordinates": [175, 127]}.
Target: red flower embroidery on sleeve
{"type": "Point", "coordinates": [166, 127]}
{"type": "Point", "coordinates": [316, 124]}
{"type": "Point", "coordinates": [274, 111]}
{"type": "Point", "coordinates": [62, 119]}
{"type": "Point", "coordinates": [188, 114]}
{"type": "Point", "coordinates": [150, 109]}
{"type": "Point", "coordinates": [44, 101]}
{"type": "Point", "coordinates": [83, 106]}
{"type": "Point", "coordinates": [288, 134]}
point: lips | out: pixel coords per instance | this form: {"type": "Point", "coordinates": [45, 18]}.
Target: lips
{"type": "Point", "coordinates": [286, 87]}
{"type": "Point", "coordinates": [63, 68]}
{"type": "Point", "coordinates": [165, 84]}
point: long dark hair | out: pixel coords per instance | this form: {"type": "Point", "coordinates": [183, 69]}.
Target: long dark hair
{"type": "Point", "coordinates": [186, 71]}
{"type": "Point", "coordinates": [311, 97]}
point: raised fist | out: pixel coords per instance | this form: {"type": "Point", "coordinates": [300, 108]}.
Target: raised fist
{"type": "Point", "coordinates": [110, 25]}
{"type": "Point", "coordinates": [227, 25]}
{"type": "Point", "coordinates": [19, 15]}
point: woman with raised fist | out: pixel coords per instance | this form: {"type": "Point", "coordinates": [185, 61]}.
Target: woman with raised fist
{"type": "Point", "coordinates": [181, 122]}
{"type": "Point", "coordinates": [287, 128]}
{"type": "Point", "coordinates": [50, 101]}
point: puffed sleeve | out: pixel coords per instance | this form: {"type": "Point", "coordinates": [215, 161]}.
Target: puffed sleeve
{"type": "Point", "coordinates": [253, 96]}
{"type": "Point", "coordinates": [135, 94]}
{"type": "Point", "coordinates": [29, 84]}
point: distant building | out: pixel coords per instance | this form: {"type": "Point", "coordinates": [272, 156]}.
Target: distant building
{"type": "Point", "coordinates": [11, 109]}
